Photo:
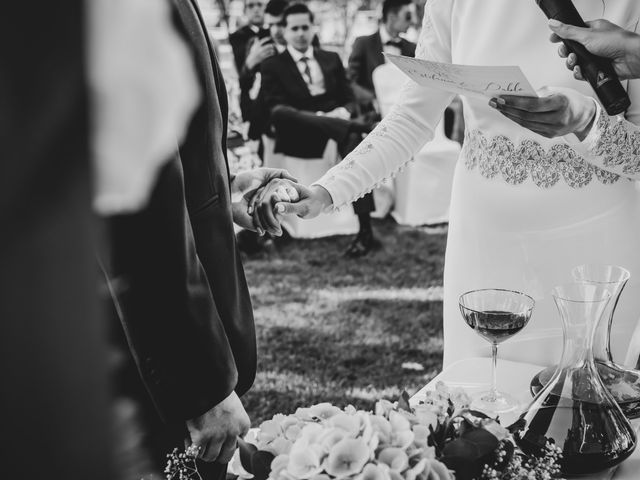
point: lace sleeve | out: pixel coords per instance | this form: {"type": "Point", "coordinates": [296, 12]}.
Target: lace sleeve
{"type": "Point", "coordinates": [613, 144]}
{"type": "Point", "coordinates": [408, 126]}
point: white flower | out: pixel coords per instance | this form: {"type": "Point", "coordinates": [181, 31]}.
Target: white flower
{"type": "Point", "coordinates": [310, 433]}
{"type": "Point", "coordinates": [350, 410]}
{"type": "Point", "coordinates": [349, 423]}
{"type": "Point", "coordinates": [304, 463]}
{"type": "Point", "coordinates": [303, 414]}
{"type": "Point", "coordinates": [437, 471]}
{"type": "Point", "coordinates": [383, 407]}
{"type": "Point", "coordinates": [421, 435]}
{"type": "Point", "coordinates": [269, 431]}
{"type": "Point", "coordinates": [330, 437]}
{"type": "Point", "coordinates": [382, 428]}
{"type": "Point", "coordinates": [399, 422]}
{"type": "Point", "coordinates": [426, 415]}
{"type": "Point", "coordinates": [374, 472]}
{"type": "Point", "coordinates": [278, 464]}
{"type": "Point", "coordinates": [416, 470]}
{"type": "Point", "coordinates": [395, 458]}
{"type": "Point", "coordinates": [323, 411]}
{"type": "Point", "coordinates": [347, 457]}
{"type": "Point", "coordinates": [279, 446]}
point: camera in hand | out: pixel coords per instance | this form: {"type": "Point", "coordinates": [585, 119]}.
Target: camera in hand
{"type": "Point", "coordinates": [598, 71]}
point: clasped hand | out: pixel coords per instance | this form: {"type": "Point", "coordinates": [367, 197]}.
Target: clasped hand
{"type": "Point", "coordinates": [282, 196]}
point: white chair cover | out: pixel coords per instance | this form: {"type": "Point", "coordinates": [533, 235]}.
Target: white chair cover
{"type": "Point", "coordinates": [423, 189]}
{"type": "Point", "coordinates": [306, 171]}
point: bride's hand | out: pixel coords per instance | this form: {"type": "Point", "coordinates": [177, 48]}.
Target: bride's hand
{"type": "Point", "coordinates": [558, 111]}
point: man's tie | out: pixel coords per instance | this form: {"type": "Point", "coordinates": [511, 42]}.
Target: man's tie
{"type": "Point", "coordinates": [306, 72]}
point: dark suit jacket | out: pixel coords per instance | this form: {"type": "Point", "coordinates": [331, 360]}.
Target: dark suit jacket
{"type": "Point", "coordinates": [175, 268]}
{"type": "Point", "coordinates": [282, 83]}
{"type": "Point", "coordinates": [366, 55]}
{"type": "Point", "coordinates": [53, 347]}
{"type": "Point", "coordinates": [239, 41]}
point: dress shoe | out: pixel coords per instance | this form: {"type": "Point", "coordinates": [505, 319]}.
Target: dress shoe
{"type": "Point", "coordinates": [362, 244]}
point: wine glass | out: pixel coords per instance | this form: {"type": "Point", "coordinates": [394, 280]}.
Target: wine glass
{"type": "Point", "coordinates": [496, 315]}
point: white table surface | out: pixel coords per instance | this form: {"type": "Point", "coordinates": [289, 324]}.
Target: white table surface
{"type": "Point", "coordinates": [474, 375]}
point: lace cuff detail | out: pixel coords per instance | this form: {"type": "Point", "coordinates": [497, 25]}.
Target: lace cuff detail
{"type": "Point", "coordinates": [613, 145]}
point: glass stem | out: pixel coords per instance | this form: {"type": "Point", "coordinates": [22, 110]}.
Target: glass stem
{"type": "Point", "coordinates": [494, 364]}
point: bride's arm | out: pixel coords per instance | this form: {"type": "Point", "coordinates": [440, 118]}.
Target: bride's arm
{"type": "Point", "coordinates": [613, 144]}
{"type": "Point", "coordinates": [407, 127]}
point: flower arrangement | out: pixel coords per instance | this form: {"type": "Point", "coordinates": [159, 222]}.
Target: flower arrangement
{"type": "Point", "coordinates": [439, 438]}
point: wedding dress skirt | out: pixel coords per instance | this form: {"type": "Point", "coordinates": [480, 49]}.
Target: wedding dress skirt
{"type": "Point", "coordinates": [525, 238]}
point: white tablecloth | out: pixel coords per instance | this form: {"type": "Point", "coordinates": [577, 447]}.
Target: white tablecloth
{"type": "Point", "coordinates": [474, 375]}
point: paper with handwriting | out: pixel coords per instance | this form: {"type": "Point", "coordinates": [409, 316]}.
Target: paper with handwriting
{"type": "Point", "coordinates": [475, 81]}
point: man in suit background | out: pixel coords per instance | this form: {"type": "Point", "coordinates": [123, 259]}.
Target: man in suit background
{"type": "Point", "coordinates": [367, 52]}
{"type": "Point", "coordinates": [310, 101]}
{"type": "Point", "coordinates": [239, 40]}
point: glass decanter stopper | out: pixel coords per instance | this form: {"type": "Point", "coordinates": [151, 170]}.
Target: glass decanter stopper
{"type": "Point", "coordinates": [575, 410]}
{"type": "Point", "coordinates": [623, 383]}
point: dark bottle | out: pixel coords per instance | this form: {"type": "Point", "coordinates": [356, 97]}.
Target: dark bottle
{"type": "Point", "coordinates": [575, 410]}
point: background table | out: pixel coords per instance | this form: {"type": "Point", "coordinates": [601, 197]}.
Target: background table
{"type": "Point", "coordinates": [474, 375]}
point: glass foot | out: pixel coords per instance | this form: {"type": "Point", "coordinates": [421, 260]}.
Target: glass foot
{"type": "Point", "coordinates": [494, 403]}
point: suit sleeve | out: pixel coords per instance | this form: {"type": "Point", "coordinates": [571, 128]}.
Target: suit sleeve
{"type": "Point", "coordinates": [165, 304]}
{"type": "Point", "coordinates": [271, 88]}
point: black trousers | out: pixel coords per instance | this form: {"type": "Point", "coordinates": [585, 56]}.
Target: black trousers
{"type": "Point", "coordinates": [304, 134]}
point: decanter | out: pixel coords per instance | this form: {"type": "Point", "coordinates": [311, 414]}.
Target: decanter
{"type": "Point", "coordinates": [574, 409]}
{"type": "Point", "coordinates": [623, 383]}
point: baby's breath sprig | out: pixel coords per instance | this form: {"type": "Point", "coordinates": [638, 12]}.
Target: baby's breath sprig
{"type": "Point", "coordinates": [522, 467]}
{"type": "Point", "coordinates": [182, 465]}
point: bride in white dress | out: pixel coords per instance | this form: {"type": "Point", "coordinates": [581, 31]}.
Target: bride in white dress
{"type": "Point", "coordinates": [525, 209]}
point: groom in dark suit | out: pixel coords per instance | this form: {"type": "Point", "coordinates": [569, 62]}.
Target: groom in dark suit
{"type": "Point", "coordinates": [177, 279]}
{"type": "Point", "coordinates": [310, 101]}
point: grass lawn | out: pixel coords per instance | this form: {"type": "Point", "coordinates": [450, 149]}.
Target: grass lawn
{"type": "Point", "coordinates": [339, 330]}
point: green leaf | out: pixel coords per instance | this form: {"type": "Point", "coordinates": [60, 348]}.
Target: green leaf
{"type": "Point", "coordinates": [261, 464]}
{"type": "Point", "coordinates": [247, 451]}
{"type": "Point", "coordinates": [403, 402]}
{"type": "Point", "coordinates": [485, 441]}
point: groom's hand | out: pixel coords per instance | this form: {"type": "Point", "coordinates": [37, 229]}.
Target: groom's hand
{"type": "Point", "coordinates": [243, 188]}
{"type": "Point", "coordinates": [282, 197]}
{"type": "Point", "coordinates": [216, 432]}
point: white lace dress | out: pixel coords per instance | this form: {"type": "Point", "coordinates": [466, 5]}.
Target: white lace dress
{"type": "Point", "coordinates": [524, 209]}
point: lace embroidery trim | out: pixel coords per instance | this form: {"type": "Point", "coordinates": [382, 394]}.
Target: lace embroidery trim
{"type": "Point", "coordinates": [618, 145]}
{"type": "Point", "coordinates": [499, 156]}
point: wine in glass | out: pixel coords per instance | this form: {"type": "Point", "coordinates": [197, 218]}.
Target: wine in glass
{"type": "Point", "coordinates": [496, 315]}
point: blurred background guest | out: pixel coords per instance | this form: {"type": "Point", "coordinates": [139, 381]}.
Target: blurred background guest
{"type": "Point", "coordinates": [251, 100]}
{"type": "Point", "coordinates": [367, 52]}
{"type": "Point", "coordinates": [254, 27]}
